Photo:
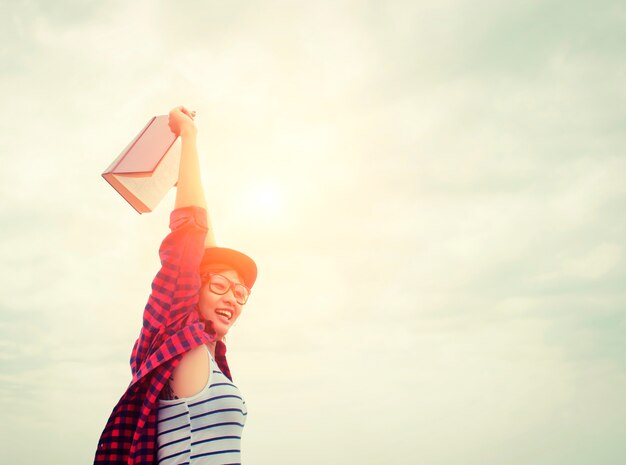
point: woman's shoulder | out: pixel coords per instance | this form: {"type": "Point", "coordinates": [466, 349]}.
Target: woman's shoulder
{"type": "Point", "coordinates": [192, 373]}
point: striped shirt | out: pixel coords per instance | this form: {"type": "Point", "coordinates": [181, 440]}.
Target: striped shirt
{"type": "Point", "coordinates": [205, 428]}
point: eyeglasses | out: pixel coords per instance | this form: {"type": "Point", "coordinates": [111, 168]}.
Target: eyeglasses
{"type": "Point", "coordinates": [220, 285]}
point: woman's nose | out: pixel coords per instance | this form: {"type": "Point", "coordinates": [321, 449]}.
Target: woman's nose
{"type": "Point", "coordinates": [230, 296]}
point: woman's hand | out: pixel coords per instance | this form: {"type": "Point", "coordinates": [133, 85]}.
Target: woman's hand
{"type": "Point", "coordinates": [181, 121]}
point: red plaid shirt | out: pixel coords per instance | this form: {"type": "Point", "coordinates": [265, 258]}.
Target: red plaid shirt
{"type": "Point", "coordinates": [171, 327]}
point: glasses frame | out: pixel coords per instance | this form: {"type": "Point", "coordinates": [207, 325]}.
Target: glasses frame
{"type": "Point", "coordinates": [206, 279]}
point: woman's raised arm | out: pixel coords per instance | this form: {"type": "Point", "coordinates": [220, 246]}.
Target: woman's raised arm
{"type": "Point", "coordinates": [189, 191]}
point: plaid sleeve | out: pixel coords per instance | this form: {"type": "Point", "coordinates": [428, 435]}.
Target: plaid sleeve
{"type": "Point", "coordinates": [176, 286]}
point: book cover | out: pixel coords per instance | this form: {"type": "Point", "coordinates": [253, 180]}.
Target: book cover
{"type": "Point", "coordinates": [148, 167]}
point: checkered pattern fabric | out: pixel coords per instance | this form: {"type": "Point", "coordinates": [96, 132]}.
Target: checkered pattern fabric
{"type": "Point", "coordinates": [171, 327]}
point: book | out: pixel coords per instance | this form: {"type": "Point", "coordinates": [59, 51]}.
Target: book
{"type": "Point", "coordinates": [148, 167]}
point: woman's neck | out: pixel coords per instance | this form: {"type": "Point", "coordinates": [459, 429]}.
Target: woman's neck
{"type": "Point", "coordinates": [211, 345]}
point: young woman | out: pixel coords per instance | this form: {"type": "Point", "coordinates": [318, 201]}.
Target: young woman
{"type": "Point", "coordinates": [181, 406]}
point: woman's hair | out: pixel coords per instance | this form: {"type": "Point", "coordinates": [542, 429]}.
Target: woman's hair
{"type": "Point", "coordinates": [216, 268]}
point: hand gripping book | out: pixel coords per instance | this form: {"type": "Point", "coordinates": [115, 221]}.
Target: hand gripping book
{"type": "Point", "coordinates": [148, 167]}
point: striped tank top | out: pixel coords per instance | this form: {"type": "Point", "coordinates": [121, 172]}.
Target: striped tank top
{"type": "Point", "coordinates": [203, 429]}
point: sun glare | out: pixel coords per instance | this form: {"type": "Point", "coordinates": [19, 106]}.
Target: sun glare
{"type": "Point", "coordinates": [264, 199]}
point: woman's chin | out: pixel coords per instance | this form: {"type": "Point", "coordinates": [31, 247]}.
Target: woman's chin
{"type": "Point", "coordinates": [221, 329]}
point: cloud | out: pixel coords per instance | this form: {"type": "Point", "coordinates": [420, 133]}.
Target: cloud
{"type": "Point", "coordinates": [448, 259]}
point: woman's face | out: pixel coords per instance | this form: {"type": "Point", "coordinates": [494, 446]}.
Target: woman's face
{"type": "Point", "coordinates": [222, 310]}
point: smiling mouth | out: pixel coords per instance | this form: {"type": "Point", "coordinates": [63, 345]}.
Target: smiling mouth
{"type": "Point", "coordinates": [228, 314]}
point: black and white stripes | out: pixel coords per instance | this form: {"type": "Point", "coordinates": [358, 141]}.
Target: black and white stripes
{"type": "Point", "coordinates": [205, 428]}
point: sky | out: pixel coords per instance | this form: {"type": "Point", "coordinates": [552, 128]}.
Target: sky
{"type": "Point", "coordinates": [433, 192]}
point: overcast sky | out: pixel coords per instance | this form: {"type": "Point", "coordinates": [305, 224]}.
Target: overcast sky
{"type": "Point", "coordinates": [433, 192]}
